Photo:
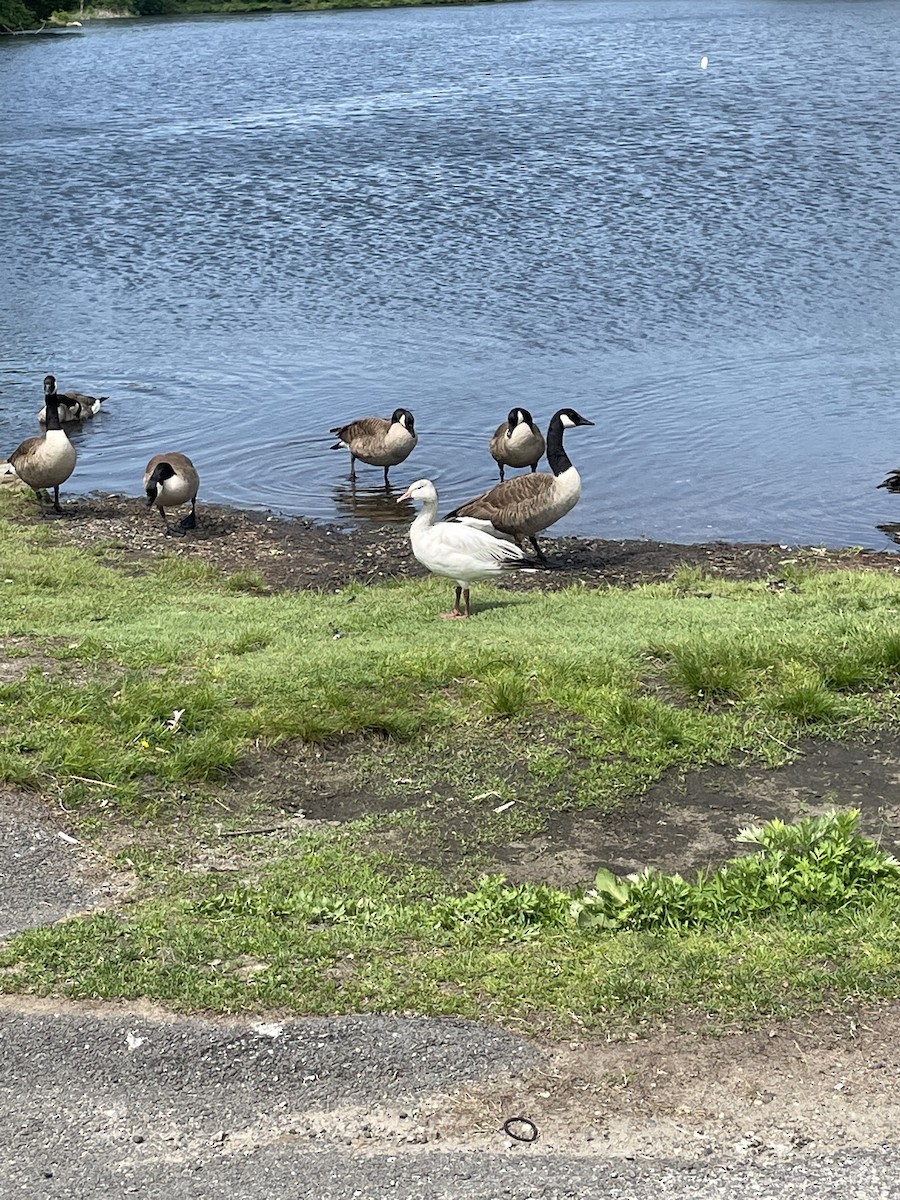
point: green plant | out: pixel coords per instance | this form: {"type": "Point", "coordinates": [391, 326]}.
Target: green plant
{"type": "Point", "coordinates": [801, 693]}
{"type": "Point", "coordinates": [504, 911]}
{"type": "Point", "coordinates": [819, 862]}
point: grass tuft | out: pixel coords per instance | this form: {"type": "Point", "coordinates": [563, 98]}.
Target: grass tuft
{"type": "Point", "coordinates": [801, 693]}
{"type": "Point", "coordinates": [712, 670]}
{"type": "Point", "coordinates": [506, 694]}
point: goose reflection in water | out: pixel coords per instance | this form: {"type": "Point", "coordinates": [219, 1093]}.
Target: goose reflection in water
{"type": "Point", "coordinates": [376, 504]}
{"type": "Point", "coordinates": [891, 532]}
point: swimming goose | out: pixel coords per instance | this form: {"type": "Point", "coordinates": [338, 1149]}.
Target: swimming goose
{"type": "Point", "coordinates": [48, 460]}
{"type": "Point", "coordinates": [892, 483]}
{"type": "Point", "coordinates": [456, 550]}
{"type": "Point", "coordinates": [518, 442]}
{"type": "Point", "coordinates": [170, 480]}
{"type": "Point", "coordinates": [525, 506]}
{"type": "Point", "coordinates": [73, 406]}
{"type": "Point", "coordinates": [377, 441]}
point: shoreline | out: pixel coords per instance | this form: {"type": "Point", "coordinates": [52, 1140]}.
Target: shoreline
{"type": "Point", "coordinates": [290, 553]}
{"type": "Point", "coordinates": [69, 18]}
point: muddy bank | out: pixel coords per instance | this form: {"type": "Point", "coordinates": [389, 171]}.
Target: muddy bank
{"type": "Point", "coordinates": [294, 553]}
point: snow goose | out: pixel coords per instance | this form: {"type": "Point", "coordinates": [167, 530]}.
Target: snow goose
{"type": "Point", "coordinates": [525, 506]}
{"type": "Point", "coordinates": [518, 442]}
{"type": "Point", "coordinates": [170, 480]}
{"type": "Point", "coordinates": [456, 550]}
{"type": "Point", "coordinates": [48, 460]}
{"type": "Point", "coordinates": [378, 441]}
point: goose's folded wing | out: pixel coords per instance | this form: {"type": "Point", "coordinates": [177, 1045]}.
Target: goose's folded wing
{"type": "Point", "coordinates": [365, 427]}
{"type": "Point", "coordinates": [509, 504]}
{"type": "Point", "coordinates": [460, 545]}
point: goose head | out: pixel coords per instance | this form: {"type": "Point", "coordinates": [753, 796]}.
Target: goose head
{"type": "Point", "coordinates": [569, 418]}
{"type": "Point", "coordinates": [423, 491]}
{"type": "Point", "coordinates": [517, 416]}
{"type": "Point", "coordinates": [402, 416]}
{"type": "Point", "coordinates": [162, 472]}
{"type": "Point", "coordinates": [49, 385]}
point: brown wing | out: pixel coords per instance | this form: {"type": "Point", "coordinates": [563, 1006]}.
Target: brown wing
{"type": "Point", "coordinates": [510, 506]}
{"type": "Point", "coordinates": [366, 433]}
{"type": "Point", "coordinates": [22, 453]}
{"type": "Point", "coordinates": [80, 398]}
{"type": "Point", "coordinates": [497, 441]}
{"type": "Point", "coordinates": [364, 427]}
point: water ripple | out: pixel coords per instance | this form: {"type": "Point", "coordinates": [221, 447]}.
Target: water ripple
{"type": "Point", "coordinates": [247, 231]}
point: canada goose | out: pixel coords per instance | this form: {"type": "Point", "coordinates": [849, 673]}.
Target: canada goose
{"type": "Point", "coordinates": [170, 480]}
{"type": "Point", "coordinates": [524, 506]}
{"type": "Point", "coordinates": [456, 550]}
{"type": "Point", "coordinates": [377, 441]}
{"type": "Point", "coordinates": [892, 483]}
{"type": "Point", "coordinates": [48, 460]}
{"type": "Point", "coordinates": [73, 406]}
{"type": "Point", "coordinates": [518, 442]}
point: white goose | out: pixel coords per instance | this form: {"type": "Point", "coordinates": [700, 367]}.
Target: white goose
{"type": "Point", "coordinates": [456, 550]}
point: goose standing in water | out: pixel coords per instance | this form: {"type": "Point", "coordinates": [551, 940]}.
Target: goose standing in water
{"type": "Point", "coordinates": [525, 506]}
{"type": "Point", "coordinates": [378, 441]}
{"type": "Point", "coordinates": [73, 406]}
{"type": "Point", "coordinates": [48, 460]}
{"type": "Point", "coordinates": [170, 480]}
{"type": "Point", "coordinates": [518, 442]}
{"type": "Point", "coordinates": [458, 551]}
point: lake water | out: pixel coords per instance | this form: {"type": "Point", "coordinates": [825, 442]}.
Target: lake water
{"type": "Point", "coordinates": [249, 230]}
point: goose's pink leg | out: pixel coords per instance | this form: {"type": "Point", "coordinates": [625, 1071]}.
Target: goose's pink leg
{"type": "Point", "coordinates": [451, 616]}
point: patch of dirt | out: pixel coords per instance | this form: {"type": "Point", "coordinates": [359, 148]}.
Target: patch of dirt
{"type": "Point", "coordinates": [790, 1088]}
{"type": "Point", "coordinates": [47, 873]}
{"type": "Point", "coordinates": [682, 824]}
{"type": "Point", "coordinates": [688, 822]}
{"type": "Point", "coordinates": [294, 553]}
{"type": "Point", "coordinates": [19, 654]}
{"type": "Point", "coordinates": [313, 783]}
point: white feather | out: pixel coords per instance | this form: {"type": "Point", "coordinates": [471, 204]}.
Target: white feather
{"type": "Point", "coordinates": [454, 548]}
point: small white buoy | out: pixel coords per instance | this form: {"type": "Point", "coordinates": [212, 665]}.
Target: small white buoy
{"type": "Point", "coordinates": [704, 63]}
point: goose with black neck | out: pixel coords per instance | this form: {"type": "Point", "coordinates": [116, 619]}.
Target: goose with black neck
{"type": "Point", "coordinates": [48, 460]}
{"type": "Point", "coordinates": [73, 406]}
{"type": "Point", "coordinates": [517, 443]}
{"type": "Point", "coordinates": [169, 481]}
{"type": "Point", "coordinates": [524, 507]}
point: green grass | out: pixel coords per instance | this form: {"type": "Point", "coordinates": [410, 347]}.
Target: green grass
{"type": "Point", "coordinates": [145, 690]}
{"type": "Point", "coordinates": [380, 940]}
{"type": "Point", "coordinates": [625, 683]}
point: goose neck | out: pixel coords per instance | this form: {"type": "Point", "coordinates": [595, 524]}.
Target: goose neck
{"type": "Point", "coordinates": [426, 517]}
{"type": "Point", "coordinates": [51, 414]}
{"type": "Point", "coordinates": [556, 455]}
